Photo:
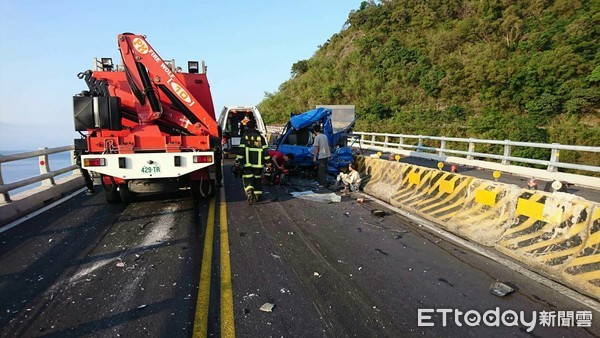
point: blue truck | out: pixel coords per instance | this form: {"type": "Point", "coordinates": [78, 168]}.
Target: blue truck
{"type": "Point", "coordinates": [336, 121]}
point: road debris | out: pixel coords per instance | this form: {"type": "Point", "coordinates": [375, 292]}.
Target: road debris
{"type": "Point", "coordinates": [284, 290]}
{"type": "Point", "coordinates": [381, 252]}
{"type": "Point", "coordinates": [378, 213]}
{"type": "Point", "coordinates": [267, 307]}
{"type": "Point", "coordinates": [500, 289]}
{"type": "Point", "coordinates": [323, 198]}
{"type": "Point", "coordinates": [275, 256]}
{"type": "Point", "coordinates": [347, 214]}
{"type": "Point", "coordinates": [141, 307]}
{"type": "Point", "coordinates": [317, 274]}
{"type": "Point", "coordinates": [120, 264]}
{"type": "Point", "coordinates": [360, 200]}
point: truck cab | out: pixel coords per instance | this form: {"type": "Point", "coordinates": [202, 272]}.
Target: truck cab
{"type": "Point", "coordinates": [232, 123]}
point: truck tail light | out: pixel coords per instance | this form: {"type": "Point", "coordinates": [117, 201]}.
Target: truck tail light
{"type": "Point", "coordinates": [94, 162]}
{"type": "Point", "coordinates": [203, 158]}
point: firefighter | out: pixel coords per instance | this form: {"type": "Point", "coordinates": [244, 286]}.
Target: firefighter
{"type": "Point", "coordinates": [253, 156]}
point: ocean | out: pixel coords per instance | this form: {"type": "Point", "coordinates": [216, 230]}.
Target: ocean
{"type": "Point", "coordinates": [17, 170]}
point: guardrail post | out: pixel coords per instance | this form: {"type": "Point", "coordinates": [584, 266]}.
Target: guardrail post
{"type": "Point", "coordinates": [554, 157]}
{"type": "Point", "coordinates": [45, 168]}
{"type": "Point", "coordinates": [420, 144]}
{"type": "Point", "coordinates": [74, 161]}
{"type": "Point", "coordinates": [386, 140]}
{"type": "Point", "coordinates": [471, 149]}
{"type": "Point", "coordinates": [506, 152]}
{"type": "Point", "coordinates": [4, 197]}
{"type": "Point", "coordinates": [442, 147]}
{"type": "Point", "coordinates": [372, 140]}
{"type": "Point", "coordinates": [400, 146]}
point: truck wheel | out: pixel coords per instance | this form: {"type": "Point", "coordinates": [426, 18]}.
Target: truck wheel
{"type": "Point", "coordinates": [195, 189]}
{"type": "Point", "coordinates": [207, 188]}
{"type": "Point", "coordinates": [111, 194]}
{"type": "Point", "coordinates": [125, 194]}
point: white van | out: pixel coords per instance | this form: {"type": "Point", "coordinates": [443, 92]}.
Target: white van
{"type": "Point", "coordinates": [230, 122]}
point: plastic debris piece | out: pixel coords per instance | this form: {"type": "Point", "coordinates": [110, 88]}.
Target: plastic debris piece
{"type": "Point", "coordinates": [120, 265]}
{"type": "Point", "coordinates": [323, 198]}
{"type": "Point", "coordinates": [377, 212]}
{"type": "Point", "coordinates": [360, 200]}
{"type": "Point", "coordinates": [500, 289]}
{"type": "Point", "coordinates": [267, 307]}
{"type": "Point", "coordinates": [316, 274]}
{"type": "Point", "coordinates": [275, 256]}
{"type": "Point", "coordinates": [142, 306]}
{"type": "Point", "coordinates": [347, 214]}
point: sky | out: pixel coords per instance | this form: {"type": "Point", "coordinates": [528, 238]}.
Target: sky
{"type": "Point", "coordinates": [248, 46]}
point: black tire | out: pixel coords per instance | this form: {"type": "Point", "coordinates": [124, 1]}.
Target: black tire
{"type": "Point", "coordinates": [125, 194]}
{"type": "Point", "coordinates": [208, 188]}
{"type": "Point", "coordinates": [195, 190]}
{"type": "Point", "coordinates": [112, 195]}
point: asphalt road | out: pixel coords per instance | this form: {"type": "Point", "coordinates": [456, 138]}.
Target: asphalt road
{"type": "Point", "coordinates": [90, 269]}
{"type": "Point", "coordinates": [86, 268]}
{"type": "Point", "coordinates": [336, 270]}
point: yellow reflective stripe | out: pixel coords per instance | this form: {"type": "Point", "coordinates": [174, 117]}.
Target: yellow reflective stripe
{"type": "Point", "coordinates": [256, 176]}
{"type": "Point", "coordinates": [242, 145]}
{"type": "Point", "coordinates": [248, 188]}
{"type": "Point", "coordinates": [247, 176]}
{"type": "Point", "coordinates": [256, 192]}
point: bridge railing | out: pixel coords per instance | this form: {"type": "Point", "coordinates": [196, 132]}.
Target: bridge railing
{"type": "Point", "coordinates": [451, 149]}
{"type": "Point", "coordinates": [46, 175]}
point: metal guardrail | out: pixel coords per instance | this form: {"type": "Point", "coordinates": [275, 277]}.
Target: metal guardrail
{"type": "Point", "coordinates": [46, 176]}
{"type": "Point", "coordinates": [463, 151]}
{"type": "Point", "coordinates": [553, 163]}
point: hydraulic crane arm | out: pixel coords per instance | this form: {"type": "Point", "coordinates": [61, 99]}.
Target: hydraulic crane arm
{"type": "Point", "coordinates": [146, 71]}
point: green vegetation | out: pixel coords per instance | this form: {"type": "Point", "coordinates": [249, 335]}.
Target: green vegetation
{"type": "Point", "coordinates": [524, 70]}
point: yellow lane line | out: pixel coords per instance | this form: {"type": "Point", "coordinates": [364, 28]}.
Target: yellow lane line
{"type": "Point", "coordinates": [227, 322]}
{"type": "Point", "coordinates": [201, 317]}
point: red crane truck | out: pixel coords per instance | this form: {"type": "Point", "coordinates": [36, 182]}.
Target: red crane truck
{"type": "Point", "coordinates": [147, 126]}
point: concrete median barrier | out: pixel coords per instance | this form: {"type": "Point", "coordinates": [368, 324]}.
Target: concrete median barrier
{"type": "Point", "coordinates": [584, 269]}
{"type": "Point", "coordinates": [488, 210]}
{"type": "Point", "coordinates": [371, 172]}
{"type": "Point", "coordinates": [387, 182]}
{"type": "Point", "coordinates": [443, 197]}
{"type": "Point", "coordinates": [557, 234]}
{"type": "Point", "coordinates": [415, 180]}
{"type": "Point", "coordinates": [548, 230]}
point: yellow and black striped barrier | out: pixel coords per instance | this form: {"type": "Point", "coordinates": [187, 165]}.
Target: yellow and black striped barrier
{"type": "Point", "coordinates": [548, 229]}
{"type": "Point", "coordinates": [388, 182]}
{"type": "Point", "coordinates": [415, 179]}
{"type": "Point", "coordinates": [488, 210]}
{"type": "Point", "coordinates": [555, 233]}
{"type": "Point", "coordinates": [443, 197]}
{"type": "Point", "coordinates": [584, 269]}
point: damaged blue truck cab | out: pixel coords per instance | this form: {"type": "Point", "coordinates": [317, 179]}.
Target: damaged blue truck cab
{"type": "Point", "coordinates": [336, 122]}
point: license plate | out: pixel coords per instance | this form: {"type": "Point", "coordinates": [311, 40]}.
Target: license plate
{"type": "Point", "coordinates": [150, 169]}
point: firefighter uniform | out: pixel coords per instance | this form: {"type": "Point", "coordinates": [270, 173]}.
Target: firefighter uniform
{"type": "Point", "coordinates": [253, 156]}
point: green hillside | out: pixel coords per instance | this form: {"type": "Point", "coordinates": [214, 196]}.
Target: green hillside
{"type": "Point", "coordinates": [525, 70]}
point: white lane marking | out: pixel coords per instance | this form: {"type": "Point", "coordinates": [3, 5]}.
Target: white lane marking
{"type": "Point", "coordinates": [589, 302]}
{"type": "Point", "coordinates": [39, 211]}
